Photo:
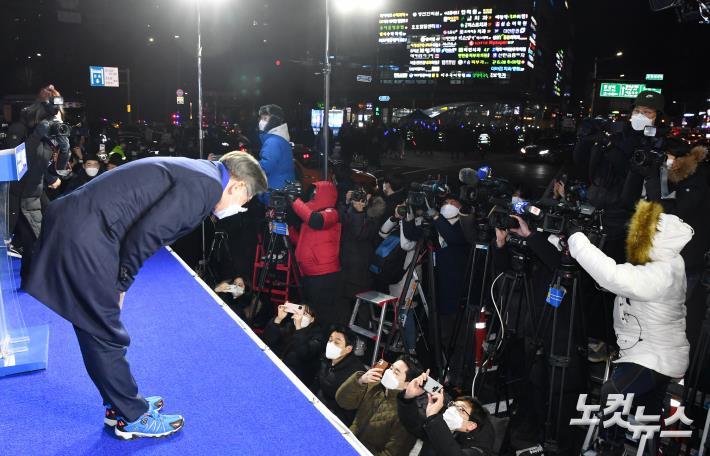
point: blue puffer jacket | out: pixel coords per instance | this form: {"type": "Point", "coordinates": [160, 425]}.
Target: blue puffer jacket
{"type": "Point", "coordinates": [276, 157]}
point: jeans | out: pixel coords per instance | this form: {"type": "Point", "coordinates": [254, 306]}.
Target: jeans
{"type": "Point", "coordinates": [649, 388]}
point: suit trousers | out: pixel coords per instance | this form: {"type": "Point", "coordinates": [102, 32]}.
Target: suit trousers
{"type": "Point", "coordinates": [108, 368]}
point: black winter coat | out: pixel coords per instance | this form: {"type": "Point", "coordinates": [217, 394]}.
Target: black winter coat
{"type": "Point", "coordinates": [450, 265]}
{"type": "Point", "coordinates": [106, 229]}
{"type": "Point", "coordinates": [329, 380]}
{"type": "Point", "coordinates": [299, 350]}
{"type": "Point", "coordinates": [358, 240]}
{"type": "Point", "coordinates": [438, 440]}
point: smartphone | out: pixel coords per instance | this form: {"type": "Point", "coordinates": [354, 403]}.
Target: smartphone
{"type": "Point", "coordinates": [381, 364]}
{"type": "Point", "coordinates": [432, 386]}
{"type": "Point", "coordinates": [293, 308]}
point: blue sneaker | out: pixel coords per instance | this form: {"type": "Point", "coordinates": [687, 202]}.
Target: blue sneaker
{"type": "Point", "coordinates": [154, 403]}
{"type": "Point", "coordinates": [151, 424]}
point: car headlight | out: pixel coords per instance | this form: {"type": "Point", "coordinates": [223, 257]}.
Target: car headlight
{"type": "Point", "coordinates": [523, 151]}
{"type": "Point", "coordinates": [544, 152]}
{"type": "Point", "coordinates": [225, 144]}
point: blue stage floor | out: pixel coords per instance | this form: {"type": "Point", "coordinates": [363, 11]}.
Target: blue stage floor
{"type": "Point", "coordinates": [235, 398]}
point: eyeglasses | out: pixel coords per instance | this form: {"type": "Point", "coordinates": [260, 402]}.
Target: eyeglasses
{"type": "Point", "coordinates": [459, 408]}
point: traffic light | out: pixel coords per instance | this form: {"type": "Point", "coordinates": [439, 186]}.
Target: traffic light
{"type": "Point", "coordinates": [377, 111]}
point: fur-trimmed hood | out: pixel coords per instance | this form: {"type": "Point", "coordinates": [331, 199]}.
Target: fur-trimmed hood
{"type": "Point", "coordinates": [685, 166]}
{"type": "Point", "coordinates": [655, 236]}
{"type": "Point", "coordinates": [377, 207]}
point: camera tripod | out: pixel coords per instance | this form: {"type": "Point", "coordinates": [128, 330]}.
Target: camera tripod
{"type": "Point", "coordinates": [559, 358]}
{"type": "Point", "coordinates": [699, 366]}
{"type": "Point", "coordinates": [412, 286]}
{"type": "Point", "coordinates": [277, 234]}
{"type": "Point", "coordinates": [467, 315]}
{"type": "Point", "coordinates": [514, 279]}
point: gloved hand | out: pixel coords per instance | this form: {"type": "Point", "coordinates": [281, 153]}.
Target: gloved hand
{"type": "Point", "coordinates": [431, 212]}
{"type": "Point", "coordinates": [644, 171]}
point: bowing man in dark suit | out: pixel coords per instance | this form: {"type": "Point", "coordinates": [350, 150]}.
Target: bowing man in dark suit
{"type": "Point", "coordinates": [125, 216]}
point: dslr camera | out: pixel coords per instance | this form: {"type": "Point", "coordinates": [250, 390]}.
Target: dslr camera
{"type": "Point", "coordinates": [423, 196]}
{"type": "Point", "coordinates": [651, 153]}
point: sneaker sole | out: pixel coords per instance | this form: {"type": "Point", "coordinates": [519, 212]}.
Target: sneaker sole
{"type": "Point", "coordinates": [138, 435]}
{"type": "Point", "coordinates": [111, 423]}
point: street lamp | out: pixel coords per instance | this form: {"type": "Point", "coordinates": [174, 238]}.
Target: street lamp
{"type": "Point", "coordinates": [200, 138]}
{"type": "Point", "coordinates": [345, 6]}
{"type": "Point", "coordinates": [594, 91]}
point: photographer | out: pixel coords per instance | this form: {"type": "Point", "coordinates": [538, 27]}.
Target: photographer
{"type": "Point", "coordinates": [608, 164]}
{"type": "Point", "coordinates": [395, 226]}
{"type": "Point", "coordinates": [451, 258]}
{"type": "Point", "coordinates": [318, 249]}
{"type": "Point", "coordinates": [297, 340]}
{"type": "Point", "coordinates": [46, 140]}
{"type": "Point", "coordinates": [649, 314]}
{"type": "Point", "coordinates": [373, 397]}
{"type": "Point", "coordinates": [276, 156]}
{"type": "Point", "coordinates": [339, 365]}
{"type": "Point", "coordinates": [360, 216]}
{"type": "Point", "coordinates": [462, 428]}
{"type": "Point", "coordinates": [393, 191]}
{"type": "Point", "coordinates": [680, 185]}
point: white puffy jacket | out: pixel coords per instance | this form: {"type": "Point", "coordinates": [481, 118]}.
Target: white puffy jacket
{"type": "Point", "coordinates": [649, 310]}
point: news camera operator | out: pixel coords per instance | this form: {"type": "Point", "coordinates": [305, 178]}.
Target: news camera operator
{"type": "Point", "coordinates": [360, 217]}
{"type": "Point", "coordinates": [297, 339]}
{"type": "Point", "coordinates": [537, 251]}
{"type": "Point", "coordinates": [649, 309]}
{"type": "Point", "coordinates": [608, 163]}
{"type": "Point", "coordinates": [447, 427]}
{"type": "Point", "coordinates": [451, 258]}
{"type": "Point", "coordinates": [46, 140]}
{"type": "Point", "coordinates": [318, 249]}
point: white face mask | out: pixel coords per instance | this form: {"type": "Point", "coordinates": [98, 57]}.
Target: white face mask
{"type": "Point", "coordinates": [229, 211]}
{"type": "Point", "coordinates": [389, 380]}
{"type": "Point", "coordinates": [305, 321]}
{"type": "Point", "coordinates": [453, 419]}
{"type": "Point", "coordinates": [91, 172]}
{"type": "Point", "coordinates": [669, 162]}
{"type": "Point", "coordinates": [332, 351]}
{"type": "Point", "coordinates": [449, 211]}
{"type": "Point", "coordinates": [235, 290]}
{"type": "Point", "coordinates": [262, 124]}
{"type": "Point", "coordinates": [639, 121]}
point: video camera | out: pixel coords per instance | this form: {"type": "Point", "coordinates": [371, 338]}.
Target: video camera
{"type": "Point", "coordinates": [57, 128]}
{"type": "Point", "coordinates": [279, 200]}
{"type": "Point", "coordinates": [500, 214]}
{"type": "Point", "coordinates": [480, 186]}
{"type": "Point", "coordinates": [561, 215]}
{"type": "Point", "coordinates": [423, 196]}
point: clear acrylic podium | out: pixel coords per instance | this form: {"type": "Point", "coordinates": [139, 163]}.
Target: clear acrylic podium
{"type": "Point", "coordinates": [22, 349]}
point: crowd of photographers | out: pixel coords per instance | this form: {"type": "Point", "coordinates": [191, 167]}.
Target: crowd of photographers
{"type": "Point", "coordinates": [613, 250]}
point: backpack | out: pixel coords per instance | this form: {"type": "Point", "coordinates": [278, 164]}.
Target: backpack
{"type": "Point", "coordinates": [387, 262]}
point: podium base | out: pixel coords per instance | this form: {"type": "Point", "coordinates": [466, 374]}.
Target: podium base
{"type": "Point", "coordinates": [36, 356]}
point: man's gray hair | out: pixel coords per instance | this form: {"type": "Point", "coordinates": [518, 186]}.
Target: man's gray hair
{"type": "Point", "coordinates": [244, 167]}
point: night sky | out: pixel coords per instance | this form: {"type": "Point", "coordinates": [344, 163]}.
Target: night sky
{"type": "Point", "coordinates": [243, 39]}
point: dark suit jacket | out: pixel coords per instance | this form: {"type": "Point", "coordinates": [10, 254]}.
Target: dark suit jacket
{"type": "Point", "coordinates": [94, 240]}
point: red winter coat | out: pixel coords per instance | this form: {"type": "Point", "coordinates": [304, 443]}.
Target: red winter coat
{"type": "Point", "coordinates": [318, 243]}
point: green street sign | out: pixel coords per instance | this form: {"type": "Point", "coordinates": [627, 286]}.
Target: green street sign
{"type": "Point", "coordinates": [654, 77]}
{"type": "Point", "coordinates": [619, 90]}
